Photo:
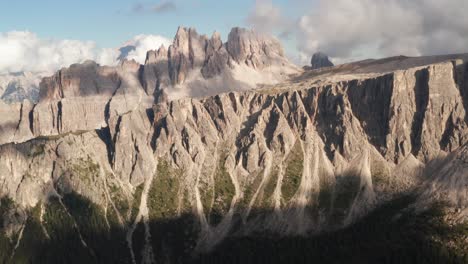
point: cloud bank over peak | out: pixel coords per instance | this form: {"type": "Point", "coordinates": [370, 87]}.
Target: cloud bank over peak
{"type": "Point", "coordinates": [390, 27]}
{"type": "Point", "coordinates": [358, 29]}
{"type": "Point", "coordinates": [24, 51]}
{"type": "Point", "coordinates": [138, 46]}
{"type": "Point", "coordinates": [266, 17]}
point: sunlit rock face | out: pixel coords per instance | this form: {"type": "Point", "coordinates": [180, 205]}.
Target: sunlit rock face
{"type": "Point", "coordinates": [149, 155]}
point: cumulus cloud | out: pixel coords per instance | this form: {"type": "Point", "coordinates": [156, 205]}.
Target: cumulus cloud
{"type": "Point", "coordinates": [140, 44]}
{"type": "Point", "coordinates": [344, 28]}
{"type": "Point", "coordinates": [358, 29]}
{"type": "Point", "coordinates": [266, 17]}
{"type": "Point", "coordinates": [26, 51]}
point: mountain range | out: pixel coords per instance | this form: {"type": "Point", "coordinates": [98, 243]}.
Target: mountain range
{"type": "Point", "coordinates": [217, 150]}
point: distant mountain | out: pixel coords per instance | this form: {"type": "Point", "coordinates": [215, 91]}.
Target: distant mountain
{"type": "Point", "coordinates": [320, 60]}
{"type": "Point", "coordinates": [16, 87]}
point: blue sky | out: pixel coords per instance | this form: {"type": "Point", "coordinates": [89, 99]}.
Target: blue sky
{"type": "Point", "coordinates": [346, 30]}
{"type": "Point", "coordinates": [110, 23]}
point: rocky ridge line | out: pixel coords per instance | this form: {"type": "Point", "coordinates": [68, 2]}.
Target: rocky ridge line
{"type": "Point", "coordinates": [313, 155]}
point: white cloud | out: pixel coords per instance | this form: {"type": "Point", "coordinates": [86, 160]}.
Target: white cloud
{"type": "Point", "coordinates": [345, 29]}
{"type": "Point", "coordinates": [142, 43]}
{"type": "Point", "coordinates": [25, 51]}
{"type": "Point", "coordinates": [358, 29]}
{"type": "Point", "coordinates": [266, 17]}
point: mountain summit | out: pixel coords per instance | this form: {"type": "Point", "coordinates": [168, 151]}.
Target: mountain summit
{"type": "Point", "coordinates": [195, 65]}
{"type": "Point", "coordinates": [211, 143]}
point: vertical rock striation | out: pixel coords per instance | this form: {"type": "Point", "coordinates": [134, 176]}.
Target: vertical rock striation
{"type": "Point", "coordinates": [303, 156]}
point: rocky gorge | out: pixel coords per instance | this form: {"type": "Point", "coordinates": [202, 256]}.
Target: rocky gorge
{"type": "Point", "coordinates": [209, 142]}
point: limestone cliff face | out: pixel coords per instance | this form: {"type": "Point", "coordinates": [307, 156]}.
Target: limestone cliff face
{"type": "Point", "coordinates": [193, 66]}
{"type": "Point", "coordinates": [314, 153]}
{"type": "Point", "coordinates": [196, 65]}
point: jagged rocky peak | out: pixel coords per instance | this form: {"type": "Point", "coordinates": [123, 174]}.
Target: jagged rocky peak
{"type": "Point", "coordinates": [193, 65]}
{"type": "Point", "coordinates": [254, 49]}
{"type": "Point", "coordinates": [185, 54]}
{"type": "Point", "coordinates": [320, 60]}
{"type": "Point", "coordinates": [155, 56]}
{"type": "Point", "coordinates": [314, 154]}
{"type": "Point", "coordinates": [193, 61]}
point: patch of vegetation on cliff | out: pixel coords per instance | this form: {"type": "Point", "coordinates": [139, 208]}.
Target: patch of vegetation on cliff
{"type": "Point", "coordinates": [6, 247]}
{"type": "Point", "coordinates": [269, 189]}
{"type": "Point", "coordinates": [347, 188]}
{"type": "Point", "coordinates": [121, 202]}
{"type": "Point", "coordinates": [163, 194]}
{"type": "Point", "coordinates": [37, 150]}
{"type": "Point", "coordinates": [32, 237]}
{"type": "Point", "coordinates": [86, 170]}
{"type": "Point", "coordinates": [250, 189]}
{"type": "Point", "coordinates": [64, 244]}
{"type": "Point", "coordinates": [6, 244]}
{"type": "Point", "coordinates": [6, 204]}
{"type": "Point", "coordinates": [173, 235]}
{"type": "Point", "coordinates": [136, 202]}
{"type": "Point", "coordinates": [57, 239]}
{"type": "Point", "coordinates": [206, 196]}
{"type": "Point", "coordinates": [387, 235]}
{"type": "Point", "coordinates": [224, 191]}
{"type": "Point", "coordinates": [380, 173]}
{"type": "Point", "coordinates": [293, 173]}
{"type": "Point", "coordinates": [105, 242]}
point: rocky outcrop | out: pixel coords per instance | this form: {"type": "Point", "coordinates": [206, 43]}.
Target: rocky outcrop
{"type": "Point", "coordinates": [311, 154]}
{"type": "Point", "coordinates": [417, 112]}
{"type": "Point", "coordinates": [195, 65]}
{"type": "Point", "coordinates": [256, 51]}
{"type": "Point", "coordinates": [78, 98]}
{"type": "Point", "coordinates": [320, 60]}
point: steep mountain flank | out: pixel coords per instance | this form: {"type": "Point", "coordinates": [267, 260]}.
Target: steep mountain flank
{"type": "Point", "coordinates": [110, 155]}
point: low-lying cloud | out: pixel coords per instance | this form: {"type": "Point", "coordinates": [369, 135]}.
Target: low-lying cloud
{"type": "Point", "coordinates": [26, 51]}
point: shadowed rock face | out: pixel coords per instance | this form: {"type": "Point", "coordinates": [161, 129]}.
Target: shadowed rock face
{"type": "Point", "coordinates": [313, 153]}
{"type": "Point", "coordinates": [320, 60]}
